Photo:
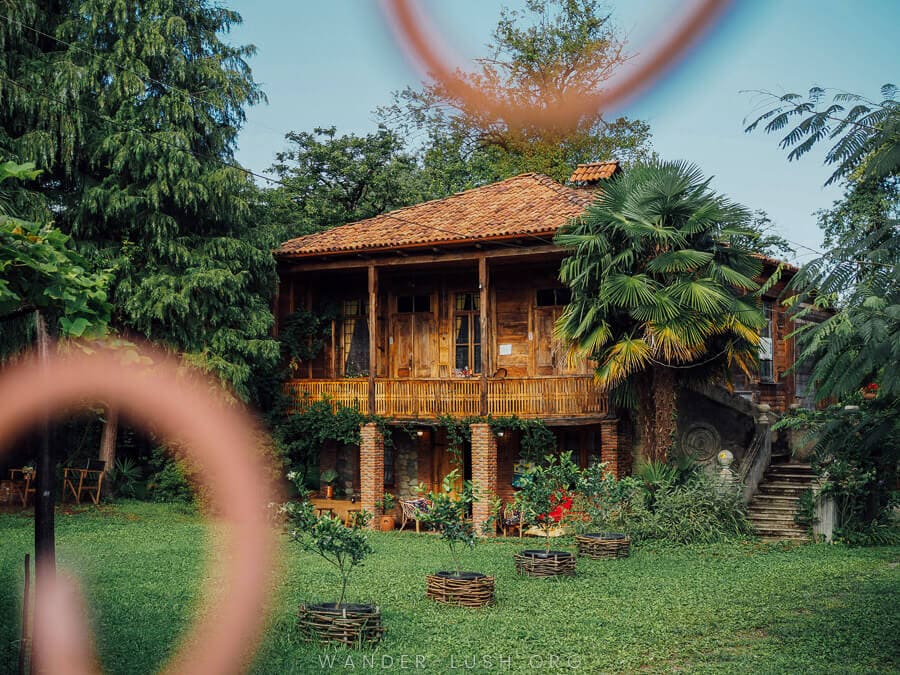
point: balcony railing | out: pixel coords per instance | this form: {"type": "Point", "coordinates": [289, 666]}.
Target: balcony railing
{"type": "Point", "coordinates": [418, 398]}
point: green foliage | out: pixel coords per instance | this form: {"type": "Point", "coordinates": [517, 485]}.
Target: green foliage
{"type": "Point", "coordinates": [701, 510]}
{"type": "Point", "coordinates": [343, 547]}
{"type": "Point", "coordinates": [301, 435]}
{"type": "Point", "coordinates": [329, 180]}
{"type": "Point", "coordinates": [40, 270]}
{"type": "Point", "coordinates": [449, 515]}
{"type": "Point", "coordinates": [386, 503]}
{"type": "Point", "coordinates": [170, 482]}
{"type": "Point", "coordinates": [303, 333]}
{"type": "Point", "coordinates": [661, 270]}
{"type": "Point", "coordinates": [806, 510]}
{"type": "Point", "coordinates": [543, 487]}
{"type": "Point", "coordinates": [535, 439]}
{"type": "Point", "coordinates": [865, 133]}
{"type": "Point", "coordinates": [856, 454]}
{"type": "Point", "coordinates": [552, 50]}
{"type": "Point", "coordinates": [133, 117]}
{"type": "Point", "coordinates": [125, 479]}
{"type": "Point", "coordinates": [604, 500]}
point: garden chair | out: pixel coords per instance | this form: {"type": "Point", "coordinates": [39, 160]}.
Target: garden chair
{"type": "Point", "coordinates": [87, 480]}
{"type": "Point", "coordinates": [413, 509]}
{"type": "Point", "coordinates": [23, 481]}
{"type": "Point", "coordinates": [511, 520]}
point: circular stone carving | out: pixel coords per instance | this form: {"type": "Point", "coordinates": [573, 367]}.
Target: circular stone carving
{"type": "Point", "coordinates": [701, 441]}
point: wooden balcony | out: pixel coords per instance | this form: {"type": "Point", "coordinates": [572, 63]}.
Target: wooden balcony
{"type": "Point", "coordinates": [412, 398]}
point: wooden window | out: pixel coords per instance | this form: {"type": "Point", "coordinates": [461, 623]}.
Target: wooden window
{"type": "Point", "coordinates": [467, 334]}
{"type": "Point", "coordinates": [766, 346]}
{"type": "Point", "coordinates": [553, 297]}
{"type": "Point", "coordinates": [354, 338]}
{"type": "Point", "coordinates": [413, 304]}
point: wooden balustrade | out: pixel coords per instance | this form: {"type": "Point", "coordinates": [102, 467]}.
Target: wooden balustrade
{"type": "Point", "coordinates": [416, 398]}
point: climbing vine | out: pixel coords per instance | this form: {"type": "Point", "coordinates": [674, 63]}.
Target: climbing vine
{"type": "Point", "coordinates": [303, 334]}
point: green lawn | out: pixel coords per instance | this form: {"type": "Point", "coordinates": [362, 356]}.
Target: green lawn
{"type": "Point", "coordinates": [713, 608]}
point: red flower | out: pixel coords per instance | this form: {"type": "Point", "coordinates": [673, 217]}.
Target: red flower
{"type": "Point", "coordinates": [871, 387]}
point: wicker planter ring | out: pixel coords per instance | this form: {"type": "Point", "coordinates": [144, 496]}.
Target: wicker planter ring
{"type": "Point", "coordinates": [470, 589]}
{"type": "Point", "coordinates": [602, 545]}
{"type": "Point", "coordinates": [351, 625]}
{"type": "Point", "coordinates": [542, 564]}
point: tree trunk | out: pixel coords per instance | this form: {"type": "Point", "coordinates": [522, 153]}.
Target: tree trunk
{"type": "Point", "coordinates": [665, 411]}
{"type": "Point", "coordinates": [656, 393]}
{"type": "Point", "coordinates": [108, 442]}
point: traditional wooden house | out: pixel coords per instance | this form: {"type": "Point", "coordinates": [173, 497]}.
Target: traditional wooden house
{"type": "Point", "coordinates": [447, 308]}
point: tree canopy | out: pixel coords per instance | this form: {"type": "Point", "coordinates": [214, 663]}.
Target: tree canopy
{"type": "Point", "coordinates": [132, 110]}
{"type": "Point", "coordinates": [661, 270]}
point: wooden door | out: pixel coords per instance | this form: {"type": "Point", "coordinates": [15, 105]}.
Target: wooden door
{"type": "Point", "coordinates": [549, 353]}
{"type": "Point", "coordinates": [413, 349]}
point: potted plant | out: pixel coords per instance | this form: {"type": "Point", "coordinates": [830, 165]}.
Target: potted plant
{"type": "Point", "coordinates": [345, 548]}
{"type": "Point", "coordinates": [387, 522]}
{"type": "Point", "coordinates": [329, 476]}
{"type": "Point", "coordinates": [604, 501]}
{"type": "Point", "coordinates": [449, 515]}
{"type": "Point", "coordinates": [542, 498]}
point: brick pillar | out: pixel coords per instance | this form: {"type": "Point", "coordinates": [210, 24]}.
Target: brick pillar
{"type": "Point", "coordinates": [609, 446]}
{"type": "Point", "coordinates": [371, 468]}
{"type": "Point", "coordinates": [484, 472]}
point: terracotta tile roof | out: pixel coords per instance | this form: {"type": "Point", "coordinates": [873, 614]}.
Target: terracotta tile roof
{"type": "Point", "coordinates": [589, 173]}
{"type": "Point", "coordinates": [528, 204]}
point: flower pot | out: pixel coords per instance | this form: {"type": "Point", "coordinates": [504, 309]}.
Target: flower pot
{"type": "Point", "coordinates": [540, 563]}
{"type": "Point", "coordinates": [329, 491]}
{"type": "Point", "coordinates": [350, 625]}
{"type": "Point", "coordinates": [600, 545]}
{"type": "Point", "coordinates": [468, 589]}
{"type": "Point", "coordinates": [386, 523]}
{"type": "Point", "coordinates": [870, 395]}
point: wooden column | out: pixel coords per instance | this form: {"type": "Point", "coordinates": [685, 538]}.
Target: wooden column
{"type": "Point", "coordinates": [373, 334]}
{"type": "Point", "coordinates": [485, 342]}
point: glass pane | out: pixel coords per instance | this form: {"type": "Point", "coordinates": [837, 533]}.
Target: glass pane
{"type": "Point", "coordinates": [477, 357]}
{"type": "Point", "coordinates": [462, 330]}
{"type": "Point", "coordinates": [563, 296]}
{"type": "Point", "coordinates": [545, 297]}
{"type": "Point", "coordinates": [462, 357]}
{"type": "Point", "coordinates": [476, 330]}
{"type": "Point", "coordinates": [357, 355]}
{"type": "Point", "coordinates": [422, 303]}
{"type": "Point", "coordinates": [460, 301]}
{"type": "Point", "coordinates": [405, 303]}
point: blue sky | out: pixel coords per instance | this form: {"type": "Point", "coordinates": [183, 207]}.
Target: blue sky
{"type": "Point", "coordinates": [333, 62]}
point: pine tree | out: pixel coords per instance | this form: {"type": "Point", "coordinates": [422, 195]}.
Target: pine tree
{"type": "Point", "coordinates": [132, 111]}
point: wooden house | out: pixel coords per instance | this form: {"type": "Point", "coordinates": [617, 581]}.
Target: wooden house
{"type": "Point", "coordinates": [447, 308]}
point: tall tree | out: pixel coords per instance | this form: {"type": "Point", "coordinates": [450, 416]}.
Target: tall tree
{"type": "Point", "coordinates": [553, 52]}
{"type": "Point", "coordinates": [329, 180]}
{"type": "Point", "coordinates": [662, 271]}
{"type": "Point", "coordinates": [132, 111]}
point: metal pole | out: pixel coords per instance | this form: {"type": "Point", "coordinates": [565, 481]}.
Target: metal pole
{"type": "Point", "coordinates": [44, 498]}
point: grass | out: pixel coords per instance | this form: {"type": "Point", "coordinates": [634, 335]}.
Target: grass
{"type": "Point", "coordinates": [716, 608]}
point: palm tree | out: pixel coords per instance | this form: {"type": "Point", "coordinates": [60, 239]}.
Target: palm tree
{"type": "Point", "coordinates": [661, 273]}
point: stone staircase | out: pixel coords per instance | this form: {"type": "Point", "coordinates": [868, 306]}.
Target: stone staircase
{"type": "Point", "coordinates": [775, 503]}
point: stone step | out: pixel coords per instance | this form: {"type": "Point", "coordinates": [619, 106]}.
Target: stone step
{"type": "Point", "coordinates": [791, 465]}
{"type": "Point", "coordinates": [770, 487]}
{"type": "Point", "coordinates": [776, 539]}
{"type": "Point", "coordinates": [780, 532]}
{"type": "Point", "coordinates": [772, 510]}
{"type": "Point", "coordinates": [768, 516]}
{"type": "Point", "coordinates": [761, 499]}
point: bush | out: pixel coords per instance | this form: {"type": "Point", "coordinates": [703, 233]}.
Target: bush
{"type": "Point", "coordinates": [171, 482]}
{"type": "Point", "coordinates": [701, 510]}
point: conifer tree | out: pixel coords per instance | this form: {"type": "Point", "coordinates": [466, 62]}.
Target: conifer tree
{"type": "Point", "coordinates": [132, 112]}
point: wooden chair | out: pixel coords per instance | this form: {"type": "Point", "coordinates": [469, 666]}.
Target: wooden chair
{"type": "Point", "coordinates": [510, 520]}
{"type": "Point", "coordinates": [87, 480]}
{"type": "Point", "coordinates": [412, 509]}
{"type": "Point", "coordinates": [24, 485]}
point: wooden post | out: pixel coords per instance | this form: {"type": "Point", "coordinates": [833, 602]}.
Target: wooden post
{"type": "Point", "coordinates": [482, 308]}
{"type": "Point", "coordinates": [373, 334]}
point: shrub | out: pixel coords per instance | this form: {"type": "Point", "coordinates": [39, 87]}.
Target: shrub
{"type": "Point", "coordinates": [544, 487]}
{"type": "Point", "coordinates": [605, 501]}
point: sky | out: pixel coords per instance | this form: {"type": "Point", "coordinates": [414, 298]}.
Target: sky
{"type": "Point", "coordinates": [324, 63]}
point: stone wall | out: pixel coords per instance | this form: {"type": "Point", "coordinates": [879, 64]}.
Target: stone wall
{"type": "Point", "coordinates": [406, 465]}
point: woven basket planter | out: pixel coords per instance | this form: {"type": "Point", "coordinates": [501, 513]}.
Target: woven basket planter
{"type": "Point", "coordinates": [603, 545]}
{"type": "Point", "coordinates": [351, 625]}
{"type": "Point", "coordinates": [542, 564]}
{"type": "Point", "coordinates": [469, 590]}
